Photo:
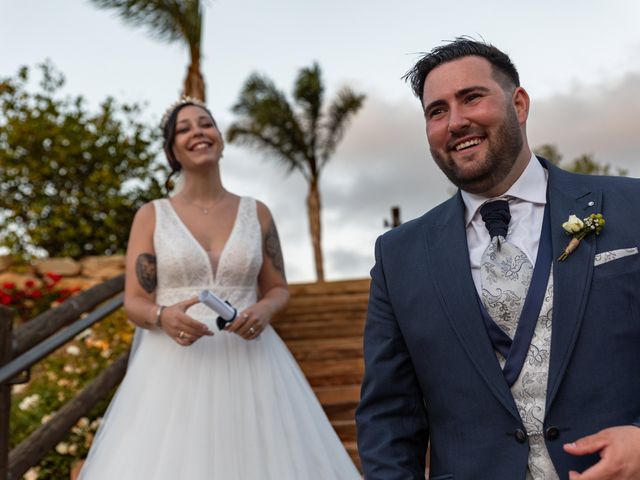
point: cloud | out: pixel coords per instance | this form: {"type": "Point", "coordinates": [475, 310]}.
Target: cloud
{"type": "Point", "coordinates": [600, 119]}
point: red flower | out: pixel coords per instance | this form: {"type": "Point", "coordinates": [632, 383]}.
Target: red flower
{"type": "Point", "coordinates": [9, 285]}
{"type": "Point", "coordinates": [54, 276]}
{"type": "Point", "coordinates": [29, 283]}
{"type": "Point", "coordinates": [36, 294]}
{"type": "Point", "coordinates": [5, 300]}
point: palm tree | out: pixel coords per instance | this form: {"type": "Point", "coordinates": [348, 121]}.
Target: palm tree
{"type": "Point", "coordinates": [171, 21]}
{"type": "Point", "coordinates": [302, 140]}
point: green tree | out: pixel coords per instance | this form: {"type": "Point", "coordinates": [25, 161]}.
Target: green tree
{"type": "Point", "coordinates": [302, 140]}
{"type": "Point", "coordinates": [170, 21]}
{"type": "Point", "coordinates": [585, 163]}
{"type": "Point", "coordinates": [70, 180]}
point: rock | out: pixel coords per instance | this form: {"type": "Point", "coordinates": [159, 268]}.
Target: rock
{"type": "Point", "coordinates": [103, 267]}
{"type": "Point", "coordinates": [66, 267]}
{"type": "Point", "coordinates": [20, 280]}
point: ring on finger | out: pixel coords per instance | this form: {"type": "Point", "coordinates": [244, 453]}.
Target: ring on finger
{"type": "Point", "coordinates": [181, 334]}
{"type": "Point", "coordinates": [245, 315]}
{"type": "Point", "coordinates": [252, 330]}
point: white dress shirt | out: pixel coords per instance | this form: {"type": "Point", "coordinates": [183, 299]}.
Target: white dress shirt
{"type": "Point", "coordinates": [527, 199]}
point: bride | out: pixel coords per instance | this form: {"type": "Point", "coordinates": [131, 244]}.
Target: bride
{"type": "Point", "coordinates": [198, 403]}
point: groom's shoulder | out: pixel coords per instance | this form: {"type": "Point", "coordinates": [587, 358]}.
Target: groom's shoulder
{"type": "Point", "coordinates": [563, 178]}
{"type": "Point", "coordinates": [615, 188]}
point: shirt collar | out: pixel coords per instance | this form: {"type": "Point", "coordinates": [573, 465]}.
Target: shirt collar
{"type": "Point", "coordinates": [531, 187]}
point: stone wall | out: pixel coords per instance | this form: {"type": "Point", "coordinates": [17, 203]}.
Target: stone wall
{"type": "Point", "coordinates": [83, 274]}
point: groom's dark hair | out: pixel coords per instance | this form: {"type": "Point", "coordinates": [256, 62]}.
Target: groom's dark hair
{"type": "Point", "coordinates": [504, 71]}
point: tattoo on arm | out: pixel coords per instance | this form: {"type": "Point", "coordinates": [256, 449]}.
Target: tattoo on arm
{"type": "Point", "coordinates": [146, 271]}
{"type": "Point", "coordinates": [272, 247]}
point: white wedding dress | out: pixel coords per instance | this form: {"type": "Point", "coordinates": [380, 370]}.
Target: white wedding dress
{"type": "Point", "coordinates": [224, 408]}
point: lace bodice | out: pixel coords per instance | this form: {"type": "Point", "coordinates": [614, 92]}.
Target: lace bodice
{"type": "Point", "coordinates": [184, 267]}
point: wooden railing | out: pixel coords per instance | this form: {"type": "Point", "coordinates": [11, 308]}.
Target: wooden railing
{"type": "Point", "coordinates": [34, 341]}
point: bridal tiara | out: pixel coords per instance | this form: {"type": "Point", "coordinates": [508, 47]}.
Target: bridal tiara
{"type": "Point", "coordinates": [176, 104]}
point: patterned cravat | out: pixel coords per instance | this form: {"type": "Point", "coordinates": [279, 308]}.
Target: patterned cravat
{"type": "Point", "coordinates": [505, 269]}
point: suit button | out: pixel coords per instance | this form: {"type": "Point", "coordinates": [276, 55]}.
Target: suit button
{"type": "Point", "coordinates": [521, 435]}
{"type": "Point", "coordinates": [552, 433]}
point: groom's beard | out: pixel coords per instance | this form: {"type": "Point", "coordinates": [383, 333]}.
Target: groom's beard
{"type": "Point", "coordinates": [504, 146]}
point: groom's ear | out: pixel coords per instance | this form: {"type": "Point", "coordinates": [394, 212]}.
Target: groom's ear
{"type": "Point", "coordinates": [521, 102]}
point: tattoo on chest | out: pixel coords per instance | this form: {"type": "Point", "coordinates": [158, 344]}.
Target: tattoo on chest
{"type": "Point", "coordinates": [272, 247]}
{"type": "Point", "coordinates": [146, 271]}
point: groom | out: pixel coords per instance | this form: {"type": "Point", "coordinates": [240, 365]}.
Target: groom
{"type": "Point", "coordinates": [512, 364]}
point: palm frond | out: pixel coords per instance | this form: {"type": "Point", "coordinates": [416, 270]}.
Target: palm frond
{"type": "Point", "coordinates": [342, 109]}
{"type": "Point", "coordinates": [309, 95]}
{"type": "Point", "coordinates": [267, 120]}
{"type": "Point", "coordinates": [245, 136]}
{"type": "Point", "coordinates": [168, 20]}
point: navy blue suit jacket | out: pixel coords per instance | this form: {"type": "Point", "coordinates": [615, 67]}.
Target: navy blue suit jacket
{"type": "Point", "coordinates": [431, 374]}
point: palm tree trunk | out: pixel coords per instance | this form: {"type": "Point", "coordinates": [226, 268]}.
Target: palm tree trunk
{"type": "Point", "coordinates": [194, 82]}
{"type": "Point", "coordinates": [313, 209]}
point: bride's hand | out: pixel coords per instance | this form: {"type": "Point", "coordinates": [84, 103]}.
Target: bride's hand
{"type": "Point", "coordinates": [251, 321]}
{"type": "Point", "coordinates": [180, 326]}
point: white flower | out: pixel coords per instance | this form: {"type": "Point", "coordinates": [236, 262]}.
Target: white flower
{"type": "Point", "coordinates": [28, 402]}
{"type": "Point", "coordinates": [73, 350]}
{"type": "Point", "coordinates": [62, 448]}
{"type": "Point", "coordinates": [84, 334]}
{"type": "Point", "coordinates": [573, 225]}
{"type": "Point", "coordinates": [83, 422]}
{"type": "Point", "coordinates": [31, 474]}
{"type": "Point", "coordinates": [73, 449]}
{"type": "Point", "coordinates": [68, 369]}
{"type": "Point", "coordinates": [95, 424]}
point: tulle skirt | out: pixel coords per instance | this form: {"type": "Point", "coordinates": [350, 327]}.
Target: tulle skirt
{"type": "Point", "coordinates": [221, 409]}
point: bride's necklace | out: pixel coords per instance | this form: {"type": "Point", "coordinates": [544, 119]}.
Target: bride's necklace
{"type": "Point", "coordinates": [204, 210]}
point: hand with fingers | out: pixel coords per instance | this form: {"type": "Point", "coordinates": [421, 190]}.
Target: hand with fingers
{"type": "Point", "coordinates": [619, 449]}
{"type": "Point", "coordinates": [251, 322]}
{"type": "Point", "coordinates": [181, 327]}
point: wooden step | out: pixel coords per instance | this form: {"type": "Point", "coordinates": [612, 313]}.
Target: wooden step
{"type": "Point", "coordinates": [329, 288]}
{"type": "Point", "coordinates": [352, 450]}
{"type": "Point", "coordinates": [319, 332]}
{"type": "Point", "coordinates": [333, 327]}
{"type": "Point", "coordinates": [336, 299]}
{"type": "Point", "coordinates": [333, 372]}
{"type": "Point", "coordinates": [355, 312]}
{"type": "Point", "coordinates": [346, 429]}
{"type": "Point", "coordinates": [325, 348]}
{"type": "Point", "coordinates": [339, 401]}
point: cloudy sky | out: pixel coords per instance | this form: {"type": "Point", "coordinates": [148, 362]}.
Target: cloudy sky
{"type": "Point", "coordinates": [579, 61]}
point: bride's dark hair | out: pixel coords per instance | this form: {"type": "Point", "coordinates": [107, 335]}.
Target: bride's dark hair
{"type": "Point", "coordinates": [169, 135]}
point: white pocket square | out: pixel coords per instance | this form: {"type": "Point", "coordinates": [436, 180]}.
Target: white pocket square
{"type": "Point", "coordinates": [605, 257]}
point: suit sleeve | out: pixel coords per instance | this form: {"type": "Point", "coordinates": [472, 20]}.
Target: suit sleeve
{"type": "Point", "coordinates": [392, 425]}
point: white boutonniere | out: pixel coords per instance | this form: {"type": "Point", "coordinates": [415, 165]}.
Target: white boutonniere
{"type": "Point", "coordinates": [578, 229]}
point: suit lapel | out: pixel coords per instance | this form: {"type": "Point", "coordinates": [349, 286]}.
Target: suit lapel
{"type": "Point", "coordinates": [455, 288]}
{"type": "Point", "coordinates": [572, 277]}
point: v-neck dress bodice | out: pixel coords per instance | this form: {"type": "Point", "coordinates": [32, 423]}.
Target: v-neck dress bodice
{"type": "Point", "coordinates": [223, 408]}
{"type": "Point", "coordinates": [184, 267]}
